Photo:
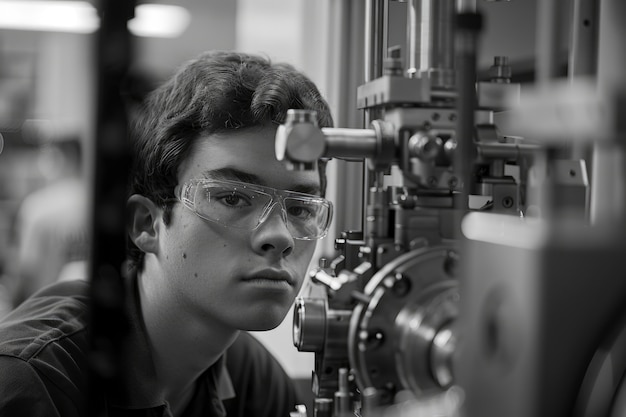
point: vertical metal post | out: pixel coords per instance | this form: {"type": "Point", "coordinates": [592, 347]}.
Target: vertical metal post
{"type": "Point", "coordinates": [549, 30]}
{"type": "Point", "coordinates": [347, 46]}
{"type": "Point", "coordinates": [469, 24]}
{"type": "Point", "coordinates": [375, 25]}
{"type": "Point", "coordinates": [374, 38]}
{"type": "Point", "coordinates": [583, 57]}
{"type": "Point", "coordinates": [608, 196]}
{"type": "Point", "coordinates": [413, 17]}
{"type": "Point", "coordinates": [111, 166]}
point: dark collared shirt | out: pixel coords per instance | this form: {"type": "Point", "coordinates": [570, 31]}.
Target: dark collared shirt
{"type": "Point", "coordinates": [43, 367]}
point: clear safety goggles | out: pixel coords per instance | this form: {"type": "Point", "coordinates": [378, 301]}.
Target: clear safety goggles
{"type": "Point", "coordinates": [246, 206]}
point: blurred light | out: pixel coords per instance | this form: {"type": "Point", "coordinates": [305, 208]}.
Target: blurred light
{"type": "Point", "coordinates": [61, 16]}
{"type": "Point", "coordinates": [151, 20]}
{"type": "Point", "coordinates": [159, 20]}
{"type": "Point", "coordinates": [505, 229]}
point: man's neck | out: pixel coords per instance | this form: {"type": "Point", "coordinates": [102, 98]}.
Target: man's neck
{"type": "Point", "coordinates": [182, 348]}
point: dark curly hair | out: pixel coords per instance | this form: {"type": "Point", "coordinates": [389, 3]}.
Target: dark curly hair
{"type": "Point", "coordinates": [216, 92]}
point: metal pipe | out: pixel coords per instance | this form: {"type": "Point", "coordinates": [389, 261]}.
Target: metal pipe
{"type": "Point", "coordinates": [413, 13]}
{"type": "Point", "coordinates": [608, 193]}
{"type": "Point", "coordinates": [583, 57]}
{"type": "Point", "coordinates": [584, 49]}
{"type": "Point", "coordinates": [441, 53]}
{"type": "Point", "coordinates": [374, 50]}
{"type": "Point", "coordinates": [549, 29]}
{"type": "Point", "coordinates": [468, 26]}
{"type": "Point", "coordinates": [112, 161]}
{"type": "Point", "coordinates": [510, 152]}
{"type": "Point", "coordinates": [350, 143]}
{"type": "Point", "coordinates": [431, 41]}
{"type": "Point", "coordinates": [374, 38]}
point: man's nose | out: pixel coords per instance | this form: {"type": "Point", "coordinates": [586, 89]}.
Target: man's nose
{"type": "Point", "coordinates": [276, 207]}
{"type": "Point", "coordinates": [272, 234]}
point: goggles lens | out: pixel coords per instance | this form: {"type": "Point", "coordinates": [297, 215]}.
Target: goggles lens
{"type": "Point", "coordinates": [246, 206]}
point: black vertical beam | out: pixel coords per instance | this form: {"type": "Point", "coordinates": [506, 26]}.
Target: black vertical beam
{"type": "Point", "coordinates": [467, 30]}
{"type": "Point", "coordinates": [108, 323]}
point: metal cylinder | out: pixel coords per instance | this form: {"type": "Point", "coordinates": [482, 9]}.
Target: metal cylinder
{"type": "Point", "coordinates": [351, 143]}
{"type": "Point", "coordinates": [374, 38]}
{"type": "Point", "coordinates": [430, 43]}
{"type": "Point", "coordinates": [309, 325]}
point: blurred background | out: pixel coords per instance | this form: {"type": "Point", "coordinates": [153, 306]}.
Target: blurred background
{"type": "Point", "coordinates": [48, 99]}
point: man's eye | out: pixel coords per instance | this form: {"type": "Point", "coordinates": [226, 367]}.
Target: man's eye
{"type": "Point", "coordinates": [234, 200]}
{"type": "Point", "coordinates": [300, 212]}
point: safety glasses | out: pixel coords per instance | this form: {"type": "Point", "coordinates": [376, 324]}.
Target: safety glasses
{"type": "Point", "coordinates": [246, 206]}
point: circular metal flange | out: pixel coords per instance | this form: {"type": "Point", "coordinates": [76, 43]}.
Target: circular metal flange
{"type": "Point", "coordinates": [400, 339]}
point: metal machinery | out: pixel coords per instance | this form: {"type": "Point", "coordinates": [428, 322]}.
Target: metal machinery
{"type": "Point", "coordinates": [488, 279]}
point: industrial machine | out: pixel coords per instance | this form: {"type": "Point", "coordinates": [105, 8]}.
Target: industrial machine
{"type": "Point", "coordinates": [487, 279]}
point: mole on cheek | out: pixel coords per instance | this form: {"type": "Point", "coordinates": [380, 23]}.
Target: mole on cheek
{"type": "Point", "coordinates": [184, 255]}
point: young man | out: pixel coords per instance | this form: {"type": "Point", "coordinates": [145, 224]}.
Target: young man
{"type": "Point", "coordinates": [221, 235]}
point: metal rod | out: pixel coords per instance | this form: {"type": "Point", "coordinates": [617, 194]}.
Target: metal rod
{"type": "Point", "coordinates": [350, 143]}
{"type": "Point", "coordinates": [508, 151]}
{"type": "Point", "coordinates": [608, 193]}
{"type": "Point", "coordinates": [548, 41]}
{"type": "Point", "coordinates": [374, 49]}
{"type": "Point", "coordinates": [441, 44]}
{"type": "Point", "coordinates": [584, 48]}
{"type": "Point", "coordinates": [374, 38]}
{"type": "Point", "coordinates": [413, 17]}
{"type": "Point", "coordinates": [108, 224]}
{"type": "Point", "coordinates": [583, 57]}
{"type": "Point", "coordinates": [468, 26]}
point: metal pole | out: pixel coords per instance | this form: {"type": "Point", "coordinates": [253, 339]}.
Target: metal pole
{"type": "Point", "coordinates": [374, 38]}
{"type": "Point", "coordinates": [608, 196]}
{"type": "Point", "coordinates": [583, 57]}
{"type": "Point", "coordinates": [112, 161]}
{"type": "Point", "coordinates": [469, 24]}
{"type": "Point", "coordinates": [549, 30]}
{"type": "Point", "coordinates": [374, 54]}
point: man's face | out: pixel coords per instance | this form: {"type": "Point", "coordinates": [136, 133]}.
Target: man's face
{"type": "Point", "coordinates": [244, 279]}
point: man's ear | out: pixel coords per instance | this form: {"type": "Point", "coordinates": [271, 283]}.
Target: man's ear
{"type": "Point", "coordinates": [142, 224]}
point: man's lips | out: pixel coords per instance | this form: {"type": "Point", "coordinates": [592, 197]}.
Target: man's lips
{"type": "Point", "coordinates": [270, 275]}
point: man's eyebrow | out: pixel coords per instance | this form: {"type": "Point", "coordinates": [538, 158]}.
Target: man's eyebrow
{"type": "Point", "coordinates": [306, 189]}
{"type": "Point", "coordinates": [234, 174]}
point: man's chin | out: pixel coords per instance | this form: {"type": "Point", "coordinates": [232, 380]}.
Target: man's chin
{"type": "Point", "coordinates": [265, 321]}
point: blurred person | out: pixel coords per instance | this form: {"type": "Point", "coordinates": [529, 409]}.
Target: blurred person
{"type": "Point", "coordinates": [51, 222]}
{"type": "Point", "coordinates": [220, 237]}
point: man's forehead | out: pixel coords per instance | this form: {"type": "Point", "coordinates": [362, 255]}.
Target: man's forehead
{"type": "Point", "coordinates": [303, 184]}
